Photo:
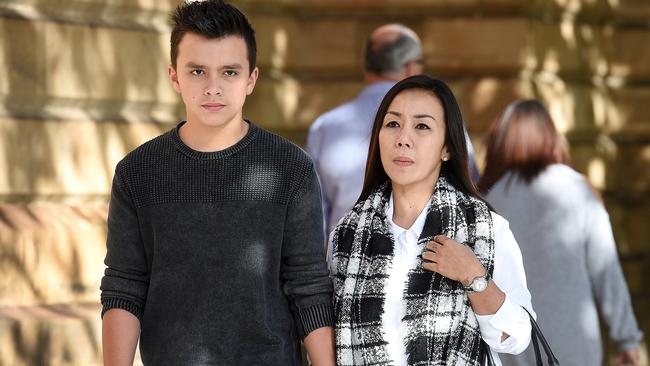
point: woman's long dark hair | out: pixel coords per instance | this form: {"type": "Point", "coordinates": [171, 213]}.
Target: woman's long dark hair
{"type": "Point", "coordinates": [455, 169]}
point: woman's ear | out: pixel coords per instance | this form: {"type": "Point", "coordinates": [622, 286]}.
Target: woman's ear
{"type": "Point", "coordinates": [444, 154]}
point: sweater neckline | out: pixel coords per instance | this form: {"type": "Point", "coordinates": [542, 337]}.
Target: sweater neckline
{"type": "Point", "coordinates": [211, 155]}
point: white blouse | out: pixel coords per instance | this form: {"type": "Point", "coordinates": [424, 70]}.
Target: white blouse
{"type": "Point", "coordinates": [508, 275]}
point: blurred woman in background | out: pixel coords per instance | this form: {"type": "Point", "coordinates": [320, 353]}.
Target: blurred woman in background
{"type": "Point", "coordinates": [565, 237]}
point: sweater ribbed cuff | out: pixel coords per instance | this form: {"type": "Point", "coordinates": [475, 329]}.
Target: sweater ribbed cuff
{"type": "Point", "coordinates": [131, 307]}
{"type": "Point", "coordinates": [314, 317]}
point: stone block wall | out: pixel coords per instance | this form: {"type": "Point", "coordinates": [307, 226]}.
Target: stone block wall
{"type": "Point", "coordinates": [84, 82]}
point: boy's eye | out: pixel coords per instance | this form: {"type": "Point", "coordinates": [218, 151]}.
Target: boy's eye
{"type": "Point", "coordinates": [392, 124]}
{"type": "Point", "coordinates": [198, 72]}
{"type": "Point", "coordinates": [230, 73]}
{"type": "Point", "coordinates": [422, 126]}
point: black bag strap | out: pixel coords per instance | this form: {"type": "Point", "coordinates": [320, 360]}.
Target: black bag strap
{"type": "Point", "coordinates": [486, 354]}
{"type": "Point", "coordinates": [538, 355]}
{"type": "Point", "coordinates": [537, 336]}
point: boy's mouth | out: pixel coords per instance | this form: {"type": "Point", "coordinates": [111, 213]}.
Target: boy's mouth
{"type": "Point", "coordinates": [212, 107]}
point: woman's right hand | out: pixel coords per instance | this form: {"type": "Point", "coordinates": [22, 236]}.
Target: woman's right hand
{"type": "Point", "coordinates": [452, 260]}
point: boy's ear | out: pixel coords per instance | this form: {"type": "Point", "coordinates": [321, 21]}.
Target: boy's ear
{"type": "Point", "coordinates": [173, 78]}
{"type": "Point", "coordinates": [252, 79]}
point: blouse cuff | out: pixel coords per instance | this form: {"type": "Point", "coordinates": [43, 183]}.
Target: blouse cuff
{"type": "Point", "coordinates": [510, 319]}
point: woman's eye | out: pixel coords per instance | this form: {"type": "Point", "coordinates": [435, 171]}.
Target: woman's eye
{"type": "Point", "coordinates": [422, 126]}
{"type": "Point", "coordinates": [230, 73]}
{"type": "Point", "coordinates": [392, 124]}
{"type": "Point", "coordinates": [198, 72]}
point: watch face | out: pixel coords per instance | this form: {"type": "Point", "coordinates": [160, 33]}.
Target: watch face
{"type": "Point", "coordinates": [479, 285]}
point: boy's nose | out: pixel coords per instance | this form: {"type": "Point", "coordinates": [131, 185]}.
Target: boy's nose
{"type": "Point", "coordinates": [213, 90]}
{"type": "Point", "coordinates": [213, 87]}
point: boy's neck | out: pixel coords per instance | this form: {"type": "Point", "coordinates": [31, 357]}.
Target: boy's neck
{"type": "Point", "coordinates": [204, 138]}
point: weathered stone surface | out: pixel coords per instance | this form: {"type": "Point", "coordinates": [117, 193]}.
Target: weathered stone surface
{"type": "Point", "coordinates": [289, 43]}
{"type": "Point", "coordinates": [482, 100]}
{"type": "Point", "coordinates": [630, 172]}
{"type": "Point", "coordinates": [137, 14]}
{"type": "Point", "coordinates": [627, 56]}
{"type": "Point", "coordinates": [555, 48]}
{"type": "Point", "coordinates": [570, 104]}
{"type": "Point", "coordinates": [629, 215]}
{"type": "Point", "coordinates": [54, 335]}
{"type": "Point", "coordinates": [51, 253]}
{"type": "Point", "coordinates": [630, 113]}
{"type": "Point", "coordinates": [62, 334]}
{"type": "Point", "coordinates": [631, 11]}
{"type": "Point", "coordinates": [471, 44]}
{"type": "Point", "coordinates": [80, 72]}
{"type": "Point", "coordinates": [65, 159]}
{"type": "Point", "coordinates": [289, 104]}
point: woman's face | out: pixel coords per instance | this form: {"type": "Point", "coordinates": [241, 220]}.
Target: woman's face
{"type": "Point", "coordinates": [412, 139]}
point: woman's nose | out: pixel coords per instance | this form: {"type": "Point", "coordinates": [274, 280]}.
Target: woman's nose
{"type": "Point", "coordinates": [403, 140]}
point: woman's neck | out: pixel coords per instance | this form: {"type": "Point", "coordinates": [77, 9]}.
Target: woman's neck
{"type": "Point", "coordinates": [408, 203]}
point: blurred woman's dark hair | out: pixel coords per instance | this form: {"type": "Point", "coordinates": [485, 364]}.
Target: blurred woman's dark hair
{"type": "Point", "coordinates": [456, 169]}
{"type": "Point", "coordinates": [523, 140]}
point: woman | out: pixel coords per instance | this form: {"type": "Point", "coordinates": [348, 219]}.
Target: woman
{"type": "Point", "coordinates": [423, 270]}
{"type": "Point", "coordinates": [565, 236]}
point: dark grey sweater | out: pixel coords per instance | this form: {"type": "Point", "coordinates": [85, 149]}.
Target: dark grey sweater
{"type": "Point", "coordinates": [220, 255]}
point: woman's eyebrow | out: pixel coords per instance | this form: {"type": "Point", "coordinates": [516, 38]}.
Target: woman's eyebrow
{"type": "Point", "coordinates": [418, 116]}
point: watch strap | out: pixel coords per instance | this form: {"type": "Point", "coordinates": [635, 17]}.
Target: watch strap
{"type": "Point", "coordinates": [487, 277]}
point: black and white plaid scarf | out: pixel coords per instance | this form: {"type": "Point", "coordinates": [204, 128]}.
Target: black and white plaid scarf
{"type": "Point", "coordinates": [440, 325]}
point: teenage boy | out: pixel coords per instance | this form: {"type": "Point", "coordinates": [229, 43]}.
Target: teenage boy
{"type": "Point", "coordinates": [215, 248]}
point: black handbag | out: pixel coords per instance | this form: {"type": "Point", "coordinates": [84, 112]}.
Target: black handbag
{"type": "Point", "coordinates": [536, 338]}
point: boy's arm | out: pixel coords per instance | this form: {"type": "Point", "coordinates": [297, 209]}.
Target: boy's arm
{"type": "Point", "coordinates": [126, 279]}
{"type": "Point", "coordinates": [120, 333]}
{"type": "Point", "coordinates": [320, 346]}
{"type": "Point", "coordinates": [304, 270]}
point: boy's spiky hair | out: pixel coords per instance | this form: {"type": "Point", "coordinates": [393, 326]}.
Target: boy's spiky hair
{"type": "Point", "coordinates": [211, 19]}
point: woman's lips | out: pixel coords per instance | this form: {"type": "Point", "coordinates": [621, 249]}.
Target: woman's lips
{"type": "Point", "coordinates": [212, 107]}
{"type": "Point", "coordinates": [403, 161]}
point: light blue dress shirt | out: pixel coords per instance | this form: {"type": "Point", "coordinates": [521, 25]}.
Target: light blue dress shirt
{"type": "Point", "coordinates": [338, 142]}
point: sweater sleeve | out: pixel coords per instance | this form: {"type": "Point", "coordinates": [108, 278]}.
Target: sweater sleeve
{"type": "Point", "coordinates": [304, 268]}
{"type": "Point", "coordinates": [126, 279]}
{"type": "Point", "coordinates": [607, 279]}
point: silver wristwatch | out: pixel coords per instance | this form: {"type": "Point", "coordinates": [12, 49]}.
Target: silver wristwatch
{"type": "Point", "coordinates": [479, 284]}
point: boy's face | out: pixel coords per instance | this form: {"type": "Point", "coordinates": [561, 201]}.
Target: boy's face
{"type": "Point", "coordinates": [212, 77]}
